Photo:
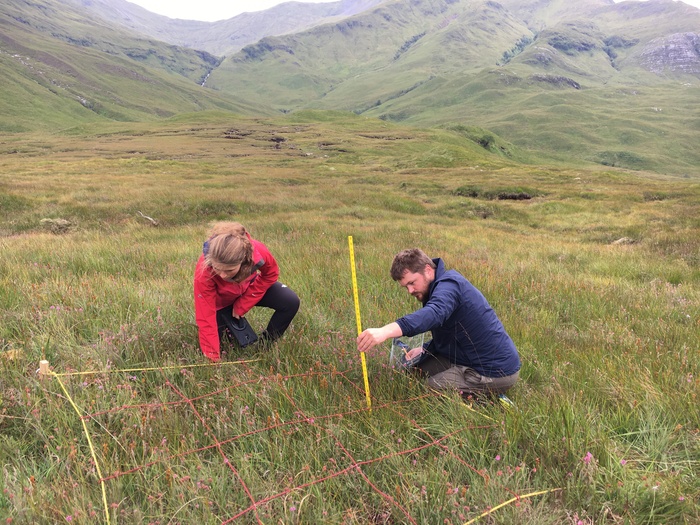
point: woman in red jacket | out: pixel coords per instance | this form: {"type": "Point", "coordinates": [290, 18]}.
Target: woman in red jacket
{"type": "Point", "coordinates": [235, 273]}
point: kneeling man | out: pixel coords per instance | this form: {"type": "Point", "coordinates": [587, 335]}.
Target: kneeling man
{"type": "Point", "coordinates": [470, 350]}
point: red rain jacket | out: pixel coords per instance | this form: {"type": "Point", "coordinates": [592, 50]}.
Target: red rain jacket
{"type": "Point", "coordinates": [211, 293]}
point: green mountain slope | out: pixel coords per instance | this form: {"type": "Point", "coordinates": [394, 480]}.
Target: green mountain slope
{"type": "Point", "coordinates": [60, 67]}
{"type": "Point", "coordinates": [406, 42]}
{"type": "Point", "coordinates": [583, 89]}
{"type": "Point", "coordinates": [594, 80]}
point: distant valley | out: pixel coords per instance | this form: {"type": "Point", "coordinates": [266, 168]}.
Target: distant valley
{"type": "Point", "coordinates": [590, 82]}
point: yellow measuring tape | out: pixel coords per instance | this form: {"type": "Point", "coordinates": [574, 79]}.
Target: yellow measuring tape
{"type": "Point", "coordinates": [518, 498]}
{"type": "Point", "coordinates": [359, 322]}
{"type": "Point", "coordinates": [92, 448]}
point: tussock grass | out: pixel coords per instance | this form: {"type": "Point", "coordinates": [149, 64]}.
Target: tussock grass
{"type": "Point", "coordinates": [606, 410]}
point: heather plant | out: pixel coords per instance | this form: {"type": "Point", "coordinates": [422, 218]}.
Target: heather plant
{"type": "Point", "coordinates": [596, 282]}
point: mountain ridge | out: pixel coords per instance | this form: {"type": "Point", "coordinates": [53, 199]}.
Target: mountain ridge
{"type": "Point", "coordinates": [224, 37]}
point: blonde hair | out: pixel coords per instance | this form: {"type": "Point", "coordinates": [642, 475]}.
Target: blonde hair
{"type": "Point", "coordinates": [229, 245]}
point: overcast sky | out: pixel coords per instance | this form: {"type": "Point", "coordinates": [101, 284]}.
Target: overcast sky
{"type": "Point", "coordinates": [213, 10]}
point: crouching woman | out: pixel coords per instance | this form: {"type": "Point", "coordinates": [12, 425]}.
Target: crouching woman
{"type": "Point", "coordinates": [235, 273]}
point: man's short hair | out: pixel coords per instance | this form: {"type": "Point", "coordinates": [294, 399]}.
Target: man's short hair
{"type": "Point", "coordinates": [412, 260]}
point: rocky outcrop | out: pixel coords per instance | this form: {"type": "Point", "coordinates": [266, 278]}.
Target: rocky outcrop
{"type": "Point", "coordinates": [556, 80]}
{"type": "Point", "coordinates": [677, 53]}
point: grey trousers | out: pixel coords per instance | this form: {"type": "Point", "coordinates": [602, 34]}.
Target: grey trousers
{"type": "Point", "coordinates": [443, 374]}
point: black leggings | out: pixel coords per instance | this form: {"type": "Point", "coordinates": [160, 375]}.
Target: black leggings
{"type": "Point", "coordinates": [279, 298]}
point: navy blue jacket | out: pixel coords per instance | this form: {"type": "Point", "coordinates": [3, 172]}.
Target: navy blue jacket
{"type": "Point", "coordinates": [465, 328]}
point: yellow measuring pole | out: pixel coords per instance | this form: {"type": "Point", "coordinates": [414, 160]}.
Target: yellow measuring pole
{"type": "Point", "coordinates": [359, 322]}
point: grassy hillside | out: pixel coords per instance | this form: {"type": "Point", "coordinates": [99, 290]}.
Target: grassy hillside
{"type": "Point", "coordinates": [596, 277]}
{"type": "Point", "coordinates": [61, 68]}
{"type": "Point", "coordinates": [651, 129]}
{"type": "Point", "coordinates": [347, 63]}
{"type": "Point", "coordinates": [63, 24]}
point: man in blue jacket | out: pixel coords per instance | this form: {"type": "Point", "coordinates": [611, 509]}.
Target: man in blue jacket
{"type": "Point", "coordinates": [470, 350]}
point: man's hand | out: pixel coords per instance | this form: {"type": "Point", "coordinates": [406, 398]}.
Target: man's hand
{"type": "Point", "coordinates": [374, 336]}
{"type": "Point", "coordinates": [369, 339]}
{"type": "Point", "coordinates": [414, 352]}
